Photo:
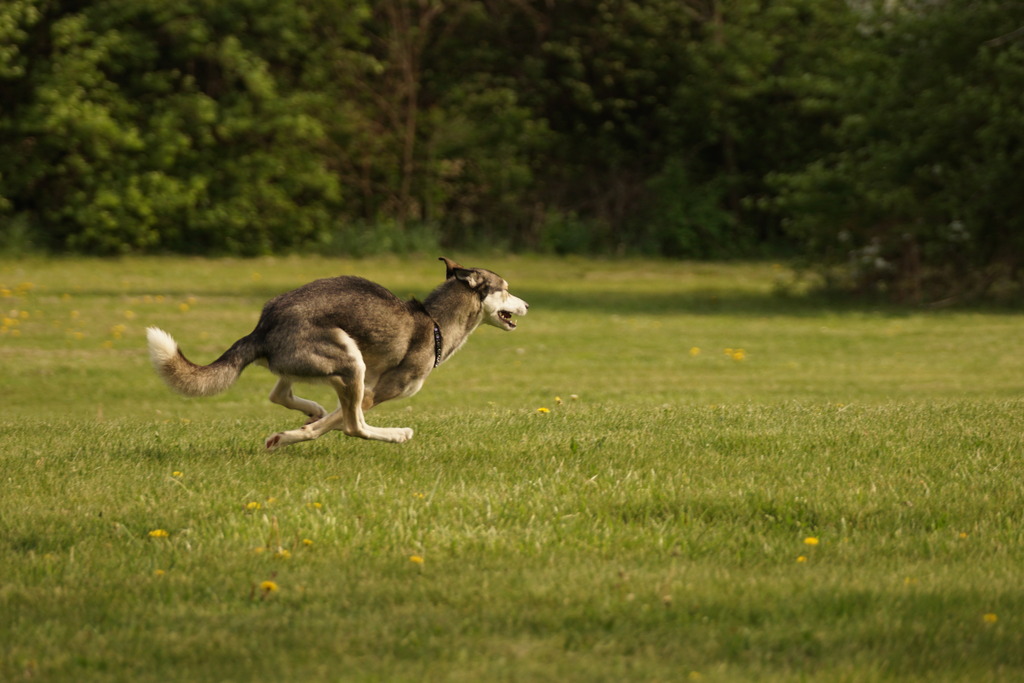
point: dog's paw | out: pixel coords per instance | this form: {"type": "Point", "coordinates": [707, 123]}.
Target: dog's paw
{"type": "Point", "coordinates": [401, 434]}
{"type": "Point", "coordinates": [317, 413]}
{"type": "Point", "coordinates": [274, 442]}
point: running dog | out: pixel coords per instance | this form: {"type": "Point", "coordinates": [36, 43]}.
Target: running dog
{"type": "Point", "coordinates": [354, 335]}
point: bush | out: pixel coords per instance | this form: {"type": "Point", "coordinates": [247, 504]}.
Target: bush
{"type": "Point", "coordinates": [921, 200]}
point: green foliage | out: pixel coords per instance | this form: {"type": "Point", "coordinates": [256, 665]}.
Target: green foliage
{"type": "Point", "coordinates": [148, 126]}
{"type": "Point", "coordinates": [880, 141]}
{"type": "Point", "coordinates": [919, 198]}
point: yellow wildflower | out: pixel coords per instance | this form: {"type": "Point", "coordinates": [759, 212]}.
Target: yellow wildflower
{"type": "Point", "coordinates": [158, 533]}
{"type": "Point", "coordinates": [802, 558]}
{"type": "Point", "coordinates": [416, 559]}
{"type": "Point", "coordinates": [543, 410]}
{"type": "Point", "coordinates": [990, 618]}
{"type": "Point", "coordinates": [254, 505]}
{"type": "Point", "coordinates": [307, 542]}
{"type": "Point", "coordinates": [268, 587]}
{"type": "Point", "coordinates": [811, 540]}
{"type": "Point", "coordinates": [283, 554]}
{"type": "Point", "coordinates": [694, 351]}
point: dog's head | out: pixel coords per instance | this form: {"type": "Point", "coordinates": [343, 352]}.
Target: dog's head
{"type": "Point", "coordinates": [499, 306]}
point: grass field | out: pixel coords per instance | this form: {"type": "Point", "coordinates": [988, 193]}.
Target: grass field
{"type": "Point", "coordinates": [669, 472]}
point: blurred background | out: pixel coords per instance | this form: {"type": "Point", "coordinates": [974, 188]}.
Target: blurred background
{"type": "Point", "coordinates": [878, 144]}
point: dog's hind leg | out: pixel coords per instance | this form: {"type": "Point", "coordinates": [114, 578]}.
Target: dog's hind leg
{"type": "Point", "coordinates": [282, 395]}
{"type": "Point", "coordinates": [348, 418]}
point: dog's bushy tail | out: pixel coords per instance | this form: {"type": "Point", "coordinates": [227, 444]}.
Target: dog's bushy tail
{"type": "Point", "coordinates": [190, 379]}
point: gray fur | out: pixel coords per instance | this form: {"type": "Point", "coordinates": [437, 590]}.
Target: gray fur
{"type": "Point", "coordinates": [354, 335]}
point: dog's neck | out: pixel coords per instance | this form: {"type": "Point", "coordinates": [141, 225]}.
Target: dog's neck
{"type": "Point", "coordinates": [457, 312]}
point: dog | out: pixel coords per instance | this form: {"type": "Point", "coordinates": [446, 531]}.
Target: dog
{"type": "Point", "coordinates": [354, 335]}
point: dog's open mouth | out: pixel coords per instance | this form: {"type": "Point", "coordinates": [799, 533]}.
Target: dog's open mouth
{"type": "Point", "coordinates": [506, 318]}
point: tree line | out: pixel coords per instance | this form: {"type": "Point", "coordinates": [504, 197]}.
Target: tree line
{"type": "Point", "coordinates": [880, 142]}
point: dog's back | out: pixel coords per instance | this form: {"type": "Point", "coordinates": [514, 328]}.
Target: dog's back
{"type": "Point", "coordinates": [298, 332]}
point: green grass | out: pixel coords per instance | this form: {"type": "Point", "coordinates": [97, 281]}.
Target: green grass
{"type": "Point", "coordinates": [651, 526]}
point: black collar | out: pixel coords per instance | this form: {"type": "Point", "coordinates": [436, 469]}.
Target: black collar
{"type": "Point", "coordinates": [438, 341]}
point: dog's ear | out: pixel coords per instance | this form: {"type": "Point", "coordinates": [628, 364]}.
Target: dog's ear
{"type": "Point", "coordinates": [452, 266]}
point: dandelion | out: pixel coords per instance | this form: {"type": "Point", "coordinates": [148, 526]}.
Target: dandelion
{"type": "Point", "coordinates": [283, 554]}
{"type": "Point", "coordinates": [963, 535]}
{"type": "Point", "coordinates": [24, 315]}
{"type": "Point", "coordinates": [801, 559]}
{"type": "Point", "coordinates": [129, 315]}
{"type": "Point", "coordinates": [307, 542]}
{"type": "Point", "coordinates": [416, 559]}
{"type": "Point", "coordinates": [736, 354]}
{"type": "Point", "coordinates": [315, 505]}
{"type": "Point", "coordinates": [268, 587]}
{"type": "Point", "coordinates": [990, 618]}
{"type": "Point", "coordinates": [159, 572]}
{"type": "Point", "coordinates": [177, 474]}
{"type": "Point", "coordinates": [158, 533]}
{"type": "Point", "coordinates": [183, 307]}
{"type": "Point", "coordinates": [694, 351]}
{"type": "Point", "coordinates": [419, 496]}
{"type": "Point", "coordinates": [253, 506]}
{"type": "Point", "coordinates": [558, 400]}
{"type": "Point", "coordinates": [543, 410]}
{"type": "Point", "coordinates": [811, 540]}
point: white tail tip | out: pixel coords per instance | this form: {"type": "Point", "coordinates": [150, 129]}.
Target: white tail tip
{"type": "Point", "coordinates": [162, 346]}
